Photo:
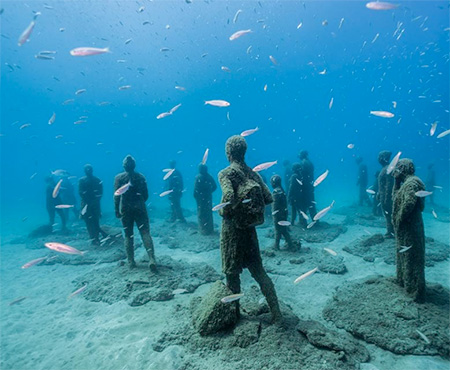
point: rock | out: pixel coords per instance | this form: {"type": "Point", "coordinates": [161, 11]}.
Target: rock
{"type": "Point", "coordinates": [333, 265]}
{"type": "Point", "coordinates": [297, 261]}
{"type": "Point", "coordinates": [247, 333]}
{"type": "Point", "coordinates": [210, 315]}
{"type": "Point", "coordinates": [268, 253]}
{"type": "Point", "coordinates": [321, 232]}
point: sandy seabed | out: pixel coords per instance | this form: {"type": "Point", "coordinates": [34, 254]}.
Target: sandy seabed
{"type": "Point", "coordinates": [48, 331]}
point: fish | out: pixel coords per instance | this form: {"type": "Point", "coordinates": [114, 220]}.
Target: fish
{"type": "Point", "coordinates": [33, 176]}
{"type": "Point", "coordinates": [304, 215]}
{"type": "Point", "coordinates": [393, 163]}
{"type": "Point", "coordinates": [305, 275]}
{"type": "Point", "coordinates": [323, 72]}
{"type": "Point", "coordinates": [275, 212]}
{"type": "Point", "coordinates": [442, 134]}
{"type": "Point", "coordinates": [24, 37]}
{"type": "Point", "coordinates": [299, 25]}
{"type": "Point", "coordinates": [205, 156]}
{"type": "Point", "coordinates": [284, 223]}
{"type": "Point", "coordinates": [181, 88]}
{"type": "Point", "coordinates": [25, 125]}
{"type": "Point", "coordinates": [174, 109]}
{"type": "Point", "coordinates": [18, 300]}
{"type": "Point", "coordinates": [217, 103]}
{"type": "Point", "coordinates": [141, 9]}
{"type": "Point", "coordinates": [128, 41]}
{"type": "Point", "coordinates": [226, 69]}
{"type": "Point", "coordinates": [370, 191]}
{"type": "Point", "coordinates": [220, 206]}
{"type": "Point", "coordinates": [60, 173]}
{"type": "Point", "coordinates": [310, 225]}
{"type": "Point", "coordinates": [124, 87]}
{"type": "Point", "coordinates": [321, 178]}
{"type": "Point", "coordinates": [238, 34]}
{"type": "Point", "coordinates": [51, 121]}
{"type": "Point", "coordinates": [330, 104]}
{"type": "Point", "coordinates": [433, 212]}
{"type": "Point", "coordinates": [273, 60]}
{"type": "Point", "coordinates": [323, 212]}
{"type": "Point", "coordinates": [64, 206]}
{"type": "Point", "coordinates": [245, 201]}
{"type": "Point", "coordinates": [84, 210]}
{"type": "Point", "coordinates": [87, 51]}
{"type": "Point", "coordinates": [63, 248]}
{"type": "Point", "coordinates": [34, 262]}
{"type": "Point", "coordinates": [168, 174]}
{"type": "Point", "coordinates": [332, 252]}
{"type": "Point", "coordinates": [299, 182]}
{"type": "Point", "coordinates": [78, 291]}
{"type": "Point", "coordinates": [423, 336]}
{"type": "Point", "coordinates": [433, 128]}
{"type": "Point", "coordinates": [163, 115]}
{"type": "Point", "coordinates": [44, 57]}
{"type": "Point", "coordinates": [404, 249]}
{"type": "Point", "coordinates": [249, 132]}
{"type": "Point", "coordinates": [179, 291]}
{"type": "Point", "coordinates": [123, 189]}
{"type": "Point", "coordinates": [350, 146]}
{"type": "Point", "coordinates": [249, 49]}
{"type": "Point", "coordinates": [237, 15]}
{"type": "Point", "coordinates": [422, 193]}
{"type": "Point", "coordinates": [264, 166]}
{"type": "Point", "coordinates": [265, 87]}
{"type": "Point", "coordinates": [381, 113]}
{"type": "Point", "coordinates": [164, 193]}
{"type": "Point", "coordinates": [80, 91]}
{"type": "Point", "coordinates": [232, 298]}
{"type": "Point", "coordinates": [56, 189]}
{"type": "Point", "coordinates": [379, 5]}
{"type": "Point", "coordinates": [68, 101]}
{"type": "Point", "coordinates": [79, 122]}
{"type": "Point", "coordinates": [394, 104]}
{"type": "Point", "coordinates": [341, 23]}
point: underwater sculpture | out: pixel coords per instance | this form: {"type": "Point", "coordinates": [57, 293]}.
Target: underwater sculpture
{"type": "Point", "coordinates": [238, 239]}
{"type": "Point", "coordinates": [280, 213]}
{"type": "Point", "coordinates": [362, 182]}
{"type": "Point", "coordinates": [307, 203]}
{"type": "Point", "coordinates": [384, 195]}
{"type": "Point", "coordinates": [52, 202]}
{"type": "Point", "coordinates": [175, 183]}
{"type": "Point", "coordinates": [203, 188]}
{"type": "Point", "coordinates": [130, 207]}
{"type": "Point", "coordinates": [295, 193]}
{"type": "Point", "coordinates": [67, 194]}
{"type": "Point", "coordinates": [90, 189]}
{"type": "Point", "coordinates": [376, 206]}
{"type": "Point", "coordinates": [409, 229]}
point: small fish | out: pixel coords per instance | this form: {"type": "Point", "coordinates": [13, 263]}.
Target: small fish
{"type": "Point", "coordinates": [422, 193]}
{"type": "Point", "coordinates": [341, 23]}
{"type": "Point", "coordinates": [51, 121]}
{"type": "Point", "coordinates": [33, 176]}
{"type": "Point", "coordinates": [332, 252]}
{"type": "Point", "coordinates": [141, 9]}
{"type": "Point", "coordinates": [245, 201]}
{"type": "Point", "coordinates": [423, 336]}
{"type": "Point", "coordinates": [181, 88]}
{"type": "Point", "coordinates": [380, 113]}
{"type": "Point", "coordinates": [217, 103]}
{"type": "Point", "coordinates": [265, 87]}
{"type": "Point", "coordinates": [330, 104]}
{"type": "Point", "coordinates": [25, 125]}
{"type": "Point", "coordinates": [393, 163]}
{"type": "Point", "coordinates": [299, 25]}
{"type": "Point", "coordinates": [299, 182]}
{"type": "Point", "coordinates": [123, 189]}
{"type": "Point", "coordinates": [44, 57]}
{"type": "Point", "coordinates": [87, 51]}
{"type": "Point", "coordinates": [34, 262]}
{"type": "Point", "coordinates": [249, 132]}
{"type": "Point", "coordinates": [125, 87]}
{"type": "Point", "coordinates": [264, 166]}
{"type": "Point", "coordinates": [284, 223]}
{"type": "Point", "coordinates": [273, 60]}
{"type": "Point", "coordinates": [310, 225]}
{"type": "Point", "coordinates": [433, 128]}
{"type": "Point", "coordinates": [226, 69]}
{"type": "Point", "coordinates": [64, 206]}
{"type": "Point", "coordinates": [325, 23]}
{"type": "Point", "coordinates": [80, 91]}
{"type": "Point", "coordinates": [350, 146]}
{"type": "Point", "coordinates": [68, 101]}
{"type": "Point", "coordinates": [433, 212]}
{"type": "Point", "coordinates": [237, 15]}
{"type": "Point", "coordinates": [168, 174]}
{"type": "Point", "coordinates": [179, 291]}
{"type": "Point", "coordinates": [163, 115]}
{"type": "Point", "coordinates": [249, 49]}
{"type": "Point", "coordinates": [78, 291]}
{"type": "Point", "coordinates": [205, 156]}
{"type": "Point", "coordinates": [238, 34]}
{"type": "Point", "coordinates": [323, 212]}
{"type": "Point", "coordinates": [404, 249]}
{"type": "Point", "coordinates": [79, 122]}
{"type": "Point", "coordinates": [305, 275]}
{"type": "Point", "coordinates": [304, 215]}
{"type": "Point", "coordinates": [63, 248]}
{"type": "Point", "coordinates": [18, 300]}
{"type": "Point", "coordinates": [275, 212]}
{"type": "Point", "coordinates": [323, 72]}
{"type": "Point", "coordinates": [128, 41]}
{"type": "Point", "coordinates": [442, 134]}
{"type": "Point", "coordinates": [394, 104]}
{"type": "Point", "coordinates": [321, 178]}
{"type": "Point", "coordinates": [56, 189]}
{"type": "Point", "coordinates": [379, 5]}
{"type": "Point", "coordinates": [232, 298]}
{"type": "Point", "coordinates": [174, 109]}
{"type": "Point", "coordinates": [370, 191]}
{"type": "Point", "coordinates": [220, 206]}
{"type": "Point", "coordinates": [164, 193]}
{"type": "Point", "coordinates": [26, 33]}
{"type": "Point", "coordinates": [84, 210]}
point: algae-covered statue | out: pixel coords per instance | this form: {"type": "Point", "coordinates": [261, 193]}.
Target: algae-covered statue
{"type": "Point", "coordinates": [308, 203]}
{"type": "Point", "coordinates": [409, 230]}
{"type": "Point", "coordinates": [280, 213]}
{"type": "Point", "coordinates": [384, 194]}
{"type": "Point", "coordinates": [238, 239]}
{"type": "Point", "coordinates": [130, 208]}
{"type": "Point", "coordinates": [362, 182]}
{"type": "Point", "coordinates": [295, 193]}
{"type": "Point", "coordinates": [203, 188]}
{"type": "Point", "coordinates": [52, 202]}
{"type": "Point", "coordinates": [175, 183]}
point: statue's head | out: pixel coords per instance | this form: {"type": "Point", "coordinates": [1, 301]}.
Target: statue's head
{"type": "Point", "coordinates": [129, 163]}
{"type": "Point", "coordinates": [403, 169]}
{"type": "Point", "coordinates": [384, 157]}
{"type": "Point", "coordinates": [235, 148]}
{"type": "Point", "coordinates": [88, 169]}
{"type": "Point", "coordinates": [275, 181]}
{"type": "Point", "coordinates": [202, 169]}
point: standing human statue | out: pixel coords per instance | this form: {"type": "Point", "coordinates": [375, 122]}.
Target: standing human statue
{"type": "Point", "coordinates": [238, 239]}
{"type": "Point", "coordinates": [295, 194]}
{"type": "Point", "coordinates": [409, 230]}
{"type": "Point", "coordinates": [384, 195]}
{"type": "Point", "coordinates": [362, 182]}
{"type": "Point", "coordinates": [203, 188]}
{"type": "Point", "coordinates": [67, 193]}
{"type": "Point", "coordinates": [90, 189]}
{"type": "Point", "coordinates": [130, 208]}
{"type": "Point", "coordinates": [52, 202]}
{"type": "Point", "coordinates": [308, 202]}
{"type": "Point", "coordinates": [280, 213]}
{"type": "Point", "coordinates": [175, 183]}
{"type": "Point", "coordinates": [376, 207]}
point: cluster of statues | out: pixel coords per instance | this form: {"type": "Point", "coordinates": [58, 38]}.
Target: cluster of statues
{"type": "Point", "coordinates": [245, 197]}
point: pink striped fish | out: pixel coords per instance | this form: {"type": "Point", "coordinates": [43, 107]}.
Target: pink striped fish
{"type": "Point", "coordinates": [63, 248]}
